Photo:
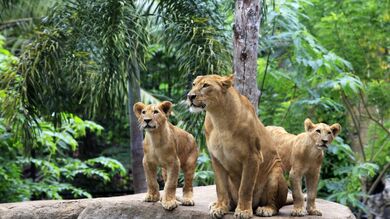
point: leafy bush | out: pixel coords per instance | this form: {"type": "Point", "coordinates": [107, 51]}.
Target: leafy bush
{"type": "Point", "coordinates": [37, 162]}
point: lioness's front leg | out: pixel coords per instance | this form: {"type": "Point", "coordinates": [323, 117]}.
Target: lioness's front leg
{"type": "Point", "coordinates": [245, 193]}
{"type": "Point", "coordinates": [311, 183]}
{"type": "Point", "coordinates": [169, 198]}
{"type": "Point", "coordinates": [296, 184]}
{"type": "Point", "coordinates": [153, 194]}
{"type": "Point", "coordinates": [221, 206]}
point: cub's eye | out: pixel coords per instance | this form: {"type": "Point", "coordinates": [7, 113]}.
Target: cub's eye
{"type": "Point", "coordinates": [155, 112]}
{"type": "Point", "coordinates": [143, 111]}
{"type": "Point", "coordinates": [329, 133]}
{"type": "Point", "coordinates": [319, 131]}
{"type": "Point", "coordinates": [205, 85]}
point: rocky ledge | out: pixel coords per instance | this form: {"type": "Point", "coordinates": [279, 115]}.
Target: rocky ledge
{"type": "Point", "coordinates": [131, 206]}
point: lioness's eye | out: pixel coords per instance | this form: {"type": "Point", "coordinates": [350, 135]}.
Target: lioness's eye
{"type": "Point", "coordinates": [155, 112]}
{"type": "Point", "coordinates": [143, 111]}
{"type": "Point", "coordinates": [319, 131]}
{"type": "Point", "coordinates": [206, 85]}
{"type": "Point", "coordinates": [193, 84]}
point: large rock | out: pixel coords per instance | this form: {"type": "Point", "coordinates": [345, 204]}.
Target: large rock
{"type": "Point", "coordinates": [131, 206]}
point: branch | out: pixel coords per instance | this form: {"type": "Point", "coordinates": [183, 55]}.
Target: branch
{"type": "Point", "coordinates": [378, 179]}
{"type": "Point", "coordinates": [289, 107]}
{"type": "Point", "coordinates": [355, 122]}
{"type": "Point", "coordinates": [379, 150]}
{"type": "Point", "coordinates": [371, 117]}
{"type": "Point", "coordinates": [268, 56]}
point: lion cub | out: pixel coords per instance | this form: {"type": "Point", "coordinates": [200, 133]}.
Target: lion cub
{"type": "Point", "coordinates": [302, 155]}
{"type": "Point", "coordinates": [169, 147]}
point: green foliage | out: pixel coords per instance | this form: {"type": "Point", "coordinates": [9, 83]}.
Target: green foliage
{"type": "Point", "coordinates": [301, 65]}
{"type": "Point", "coordinates": [54, 171]}
{"type": "Point", "coordinates": [378, 95]}
{"type": "Point", "coordinates": [91, 49]}
{"type": "Point", "coordinates": [345, 187]}
{"type": "Point", "coordinates": [204, 174]}
{"type": "Point", "coordinates": [45, 168]}
{"type": "Point", "coordinates": [354, 30]}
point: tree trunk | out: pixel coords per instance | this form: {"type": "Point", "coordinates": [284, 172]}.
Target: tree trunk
{"type": "Point", "coordinates": [137, 153]}
{"type": "Point", "coordinates": [245, 41]}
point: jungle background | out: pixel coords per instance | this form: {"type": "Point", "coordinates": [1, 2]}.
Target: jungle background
{"type": "Point", "coordinates": [70, 71]}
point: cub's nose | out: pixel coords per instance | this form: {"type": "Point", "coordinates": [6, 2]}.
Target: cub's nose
{"type": "Point", "coordinates": [191, 97]}
{"type": "Point", "coordinates": [147, 120]}
{"type": "Point", "coordinates": [324, 141]}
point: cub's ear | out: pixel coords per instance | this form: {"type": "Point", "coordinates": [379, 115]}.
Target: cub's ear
{"type": "Point", "coordinates": [227, 81]}
{"type": "Point", "coordinates": [166, 107]}
{"type": "Point", "coordinates": [137, 108]}
{"type": "Point", "coordinates": [309, 125]}
{"type": "Point", "coordinates": [336, 128]}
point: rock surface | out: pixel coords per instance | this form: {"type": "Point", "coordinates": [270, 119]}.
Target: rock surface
{"type": "Point", "coordinates": [131, 206]}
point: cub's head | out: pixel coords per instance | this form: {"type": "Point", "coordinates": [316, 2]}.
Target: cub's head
{"type": "Point", "coordinates": [322, 133]}
{"type": "Point", "coordinates": [151, 117]}
{"type": "Point", "coordinates": [207, 90]}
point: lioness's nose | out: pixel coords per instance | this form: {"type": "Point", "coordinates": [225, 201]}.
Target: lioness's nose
{"type": "Point", "coordinates": [191, 97]}
{"type": "Point", "coordinates": [147, 120]}
{"type": "Point", "coordinates": [324, 141]}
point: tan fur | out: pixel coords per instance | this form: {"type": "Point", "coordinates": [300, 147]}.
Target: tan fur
{"type": "Point", "coordinates": [248, 170]}
{"type": "Point", "coordinates": [169, 147]}
{"type": "Point", "coordinates": [302, 155]}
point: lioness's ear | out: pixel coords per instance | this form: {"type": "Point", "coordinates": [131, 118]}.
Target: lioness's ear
{"type": "Point", "coordinates": [166, 107]}
{"type": "Point", "coordinates": [137, 108]}
{"type": "Point", "coordinates": [336, 128]}
{"type": "Point", "coordinates": [227, 81]}
{"type": "Point", "coordinates": [309, 125]}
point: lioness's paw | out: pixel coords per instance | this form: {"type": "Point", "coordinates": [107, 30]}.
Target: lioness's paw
{"type": "Point", "coordinates": [298, 212]}
{"type": "Point", "coordinates": [152, 197]}
{"type": "Point", "coordinates": [314, 212]}
{"type": "Point", "coordinates": [266, 211]}
{"type": "Point", "coordinates": [169, 205]}
{"type": "Point", "coordinates": [217, 211]}
{"type": "Point", "coordinates": [243, 214]}
{"type": "Point", "coordinates": [187, 202]}
{"type": "Point", "coordinates": [212, 204]}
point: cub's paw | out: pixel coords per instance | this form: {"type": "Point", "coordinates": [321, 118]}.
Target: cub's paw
{"type": "Point", "coordinates": [187, 202]}
{"type": "Point", "coordinates": [266, 211]}
{"type": "Point", "coordinates": [152, 197]}
{"type": "Point", "coordinates": [314, 211]}
{"type": "Point", "coordinates": [298, 212]}
{"type": "Point", "coordinates": [217, 211]}
{"type": "Point", "coordinates": [169, 205]}
{"type": "Point", "coordinates": [243, 214]}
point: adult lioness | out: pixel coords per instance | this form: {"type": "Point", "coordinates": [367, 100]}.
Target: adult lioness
{"type": "Point", "coordinates": [302, 155]}
{"type": "Point", "coordinates": [248, 170]}
{"type": "Point", "coordinates": [167, 146]}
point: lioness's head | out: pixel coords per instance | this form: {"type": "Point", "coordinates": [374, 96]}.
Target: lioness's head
{"type": "Point", "coordinates": [207, 90]}
{"type": "Point", "coordinates": [151, 117]}
{"type": "Point", "coordinates": [322, 133]}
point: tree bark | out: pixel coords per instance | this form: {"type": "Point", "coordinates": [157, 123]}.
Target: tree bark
{"type": "Point", "coordinates": [136, 137]}
{"type": "Point", "coordinates": [245, 42]}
